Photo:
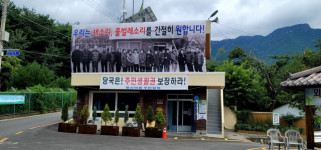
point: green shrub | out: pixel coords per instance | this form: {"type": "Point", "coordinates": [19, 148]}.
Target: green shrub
{"type": "Point", "coordinates": [138, 116]}
{"type": "Point", "coordinates": [74, 114]}
{"type": "Point", "coordinates": [243, 126]}
{"type": "Point", "coordinates": [126, 115]}
{"type": "Point", "coordinates": [117, 117]}
{"type": "Point", "coordinates": [290, 119]}
{"type": "Point", "coordinates": [64, 112]}
{"type": "Point", "coordinates": [243, 116]}
{"type": "Point", "coordinates": [260, 128]}
{"type": "Point", "coordinates": [94, 115]}
{"type": "Point", "coordinates": [150, 114]}
{"type": "Point", "coordinates": [84, 114]}
{"type": "Point", "coordinates": [160, 119]}
{"type": "Point", "coordinates": [106, 115]}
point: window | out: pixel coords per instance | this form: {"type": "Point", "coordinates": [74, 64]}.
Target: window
{"type": "Point", "coordinates": [101, 99]}
{"type": "Point", "coordinates": [130, 99]}
{"type": "Point", "coordinates": [121, 99]}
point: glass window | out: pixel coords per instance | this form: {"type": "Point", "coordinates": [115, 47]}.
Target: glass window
{"type": "Point", "coordinates": [101, 99]}
{"type": "Point", "coordinates": [130, 99]}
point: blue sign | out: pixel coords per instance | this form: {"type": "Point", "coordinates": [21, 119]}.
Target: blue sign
{"type": "Point", "coordinates": [13, 53]}
{"type": "Point", "coordinates": [196, 98]}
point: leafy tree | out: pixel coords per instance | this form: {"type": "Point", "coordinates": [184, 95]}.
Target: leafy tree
{"type": "Point", "coordinates": [64, 112]}
{"type": "Point", "coordinates": [9, 65]}
{"type": "Point", "coordinates": [31, 75]}
{"type": "Point", "coordinates": [61, 82]}
{"type": "Point", "coordinates": [238, 55]}
{"type": "Point", "coordinates": [150, 114]}
{"type": "Point", "coordinates": [126, 114]}
{"type": "Point", "coordinates": [138, 116]}
{"type": "Point", "coordinates": [117, 117]}
{"type": "Point", "coordinates": [106, 115]}
{"type": "Point", "coordinates": [84, 114]}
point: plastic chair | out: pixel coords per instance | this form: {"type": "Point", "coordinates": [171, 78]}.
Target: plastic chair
{"type": "Point", "coordinates": [292, 137]}
{"type": "Point", "coordinates": [275, 139]}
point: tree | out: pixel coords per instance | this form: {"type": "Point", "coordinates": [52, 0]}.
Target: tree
{"type": "Point", "coordinates": [150, 114]}
{"type": "Point", "coordinates": [64, 112]}
{"type": "Point", "coordinates": [138, 116]}
{"type": "Point", "coordinates": [242, 86]}
{"type": "Point", "coordinates": [117, 117]}
{"type": "Point", "coordinates": [30, 75]}
{"type": "Point", "coordinates": [106, 115]}
{"type": "Point", "coordinates": [84, 114]}
{"type": "Point", "coordinates": [126, 114]}
{"type": "Point", "coordinates": [237, 55]}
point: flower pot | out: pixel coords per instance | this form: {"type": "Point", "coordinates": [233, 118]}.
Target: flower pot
{"type": "Point", "coordinates": [87, 129]}
{"type": "Point", "coordinates": [131, 131]}
{"type": "Point", "coordinates": [153, 132]}
{"type": "Point", "coordinates": [109, 130]}
{"type": "Point", "coordinates": [67, 127]}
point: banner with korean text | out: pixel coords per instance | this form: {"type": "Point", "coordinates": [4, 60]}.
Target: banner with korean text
{"type": "Point", "coordinates": [144, 83]}
{"type": "Point", "coordinates": [313, 96]}
{"type": "Point", "coordinates": [139, 47]}
{"type": "Point", "coordinates": [12, 99]}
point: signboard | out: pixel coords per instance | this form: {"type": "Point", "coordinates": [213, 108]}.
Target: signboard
{"type": "Point", "coordinates": [139, 47]}
{"type": "Point", "coordinates": [13, 53]}
{"type": "Point", "coordinates": [144, 83]}
{"type": "Point", "coordinates": [12, 99]}
{"type": "Point", "coordinates": [202, 108]}
{"type": "Point", "coordinates": [276, 119]}
{"type": "Point", "coordinates": [202, 116]}
{"type": "Point", "coordinates": [313, 96]}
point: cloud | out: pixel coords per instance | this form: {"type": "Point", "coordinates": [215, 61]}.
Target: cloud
{"type": "Point", "coordinates": [237, 17]}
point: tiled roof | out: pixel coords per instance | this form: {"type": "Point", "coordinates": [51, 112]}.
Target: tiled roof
{"type": "Point", "coordinates": [311, 77]}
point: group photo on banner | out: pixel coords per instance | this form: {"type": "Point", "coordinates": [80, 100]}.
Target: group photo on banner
{"type": "Point", "coordinates": [139, 47]}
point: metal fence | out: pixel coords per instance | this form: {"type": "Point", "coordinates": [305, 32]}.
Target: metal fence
{"type": "Point", "coordinates": [35, 101]}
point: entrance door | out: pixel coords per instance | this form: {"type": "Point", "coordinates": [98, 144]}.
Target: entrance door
{"type": "Point", "coordinates": [180, 115]}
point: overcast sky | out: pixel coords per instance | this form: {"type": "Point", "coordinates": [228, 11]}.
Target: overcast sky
{"type": "Point", "coordinates": [236, 17]}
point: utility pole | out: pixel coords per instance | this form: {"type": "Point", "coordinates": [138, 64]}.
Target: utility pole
{"type": "Point", "coordinates": [3, 25]}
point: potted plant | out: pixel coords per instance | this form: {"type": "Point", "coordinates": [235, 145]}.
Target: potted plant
{"type": "Point", "coordinates": [138, 117]}
{"type": "Point", "coordinates": [66, 126]}
{"type": "Point", "coordinates": [84, 128]}
{"type": "Point", "coordinates": [150, 131]}
{"type": "Point", "coordinates": [106, 116]}
{"type": "Point", "coordinates": [157, 130]}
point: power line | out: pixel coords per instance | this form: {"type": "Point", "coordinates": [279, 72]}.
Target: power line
{"type": "Point", "coordinates": [236, 29]}
{"type": "Point", "coordinates": [99, 10]}
{"type": "Point", "coordinates": [45, 54]}
{"type": "Point", "coordinates": [105, 9]}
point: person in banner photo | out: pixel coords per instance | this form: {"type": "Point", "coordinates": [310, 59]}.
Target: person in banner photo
{"type": "Point", "coordinates": [189, 60]}
{"type": "Point", "coordinates": [124, 60]}
{"type": "Point", "coordinates": [167, 60]}
{"type": "Point", "coordinates": [174, 60]}
{"type": "Point", "coordinates": [103, 60]}
{"type": "Point", "coordinates": [136, 60]}
{"type": "Point", "coordinates": [75, 58]}
{"type": "Point", "coordinates": [161, 60]}
{"type": "Point", "coordinates": [195, 59]}
{"type": "Point", "coordinates": [118, 60]}
{"type": "Point", "coordinates": [181, 60]}
{"type": "Point", "coordinates": [95, 58]}
{"type": "Point", "coordinates": [200, 60]}
{"type": "Point", "coordinates": [156, 63]}
{"type": "Point", "coordinates": [149, 61]}
{"type": "Point", "coordinates": [142, 61]}
{"type": "Point", "coordinates": [85, 58]}
{"type": "Point", "coordinates": [112, 60]}
{"type": "Point", "coordinates": [130, 61]}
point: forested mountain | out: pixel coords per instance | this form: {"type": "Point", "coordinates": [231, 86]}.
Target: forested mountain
{"type": "Point", "coordinates": [282, 41]}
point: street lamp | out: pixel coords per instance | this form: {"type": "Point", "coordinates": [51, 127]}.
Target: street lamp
{"type": "Point", "coordinates": [213, 14]}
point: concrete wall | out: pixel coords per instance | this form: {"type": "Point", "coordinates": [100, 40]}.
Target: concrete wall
{"type": "Point", "coordinates": [229, 118]}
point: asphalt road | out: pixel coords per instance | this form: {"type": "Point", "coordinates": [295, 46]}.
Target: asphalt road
{"type": "Point", "coordinates": [40, 132]}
